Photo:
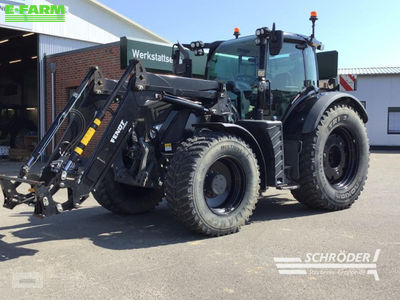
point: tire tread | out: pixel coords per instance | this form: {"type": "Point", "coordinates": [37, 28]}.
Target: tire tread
{"type": "Point", "coordinates": [179, 181]}
{"type": "Point", "coordinates": [309, 193]}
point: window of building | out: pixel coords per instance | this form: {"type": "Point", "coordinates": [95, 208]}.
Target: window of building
{"type": "Point", "coordinates": [394, 120]}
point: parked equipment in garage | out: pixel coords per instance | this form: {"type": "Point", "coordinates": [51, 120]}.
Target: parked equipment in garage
{"type": "Point", "coordinates": [209, 146]}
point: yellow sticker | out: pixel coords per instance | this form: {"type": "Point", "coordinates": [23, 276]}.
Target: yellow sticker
{"type": "Point", "coordinates": [97, 122]}
{"type": "Point", "coordinates": [88, 136]}
{"type": "Point", "coordinates": [78, 150]}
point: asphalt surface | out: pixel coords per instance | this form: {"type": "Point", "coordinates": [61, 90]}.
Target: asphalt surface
{"type": "Point", "coordinates": [90, 253]}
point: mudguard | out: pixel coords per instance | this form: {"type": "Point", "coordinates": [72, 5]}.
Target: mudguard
{"type": "Point", "coordinates": [305, 116]}
{"type": "Point", "coordinates": [325, 100]}
{"type": "Point", "coordinates": [246, 136]}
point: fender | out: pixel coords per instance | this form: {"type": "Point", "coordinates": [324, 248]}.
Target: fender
{"type": "Point", "coordinates": [304, 118]}
{"type": "Point", "coordinates": [308, 112]}
{"type": "Point", "coordinates": [326, 100]}
{"type": "Point", "coordinates": [247, 137]}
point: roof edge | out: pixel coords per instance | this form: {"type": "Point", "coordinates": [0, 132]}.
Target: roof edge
{"type": "Point", "coordinates": [365, 71]}
{"type": "Point", "coordinates": [126, 19]}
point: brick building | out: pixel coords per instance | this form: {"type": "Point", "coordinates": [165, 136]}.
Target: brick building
{"type": "Point", "coordinates": [70, 69]}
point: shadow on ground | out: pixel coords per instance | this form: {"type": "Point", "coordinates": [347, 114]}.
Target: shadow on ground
{"type": "Point", "coordinates": [106, 230]}
{"type": "Point", "coordinates": [275, 207]}
{"type": "Point", "coordinates": [10, 251]}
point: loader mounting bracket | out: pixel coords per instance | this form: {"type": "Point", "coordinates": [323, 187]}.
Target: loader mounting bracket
{"type": "Point", "coordinates": [12, 197]}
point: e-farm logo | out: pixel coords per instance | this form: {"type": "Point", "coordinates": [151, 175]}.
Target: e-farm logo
{"type": "Point", "coordinates": [34, 13]}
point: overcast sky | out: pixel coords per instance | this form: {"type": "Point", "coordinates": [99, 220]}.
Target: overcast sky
{"type": "Point", "coordinates": [366, 33]}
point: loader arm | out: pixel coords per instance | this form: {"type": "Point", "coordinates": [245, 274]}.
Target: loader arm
{"type": "Point", "coordinates": [78, 168]}
{"type": "Point", "coordinates": [65, 168]}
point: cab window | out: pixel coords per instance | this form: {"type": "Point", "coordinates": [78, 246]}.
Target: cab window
{"type": "Point", "coordinates": [311, 66]}
{"type": "Point", "coordinates": [225, 67]}
{"type": "Point", "coordinates": [286, 73]}
{"type": "Point", "coordinates": [289, 72]}
{"type": "Point", "coordinates": [236, 61]}
{"type": "Point", "coordinates": [286, 70]}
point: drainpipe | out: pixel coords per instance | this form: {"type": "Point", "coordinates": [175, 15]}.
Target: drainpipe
{"type": "Point", "coordinates": [53, 67]}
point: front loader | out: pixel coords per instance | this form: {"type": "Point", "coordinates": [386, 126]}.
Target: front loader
{"type": "Point", "coordinates": [209, 146]}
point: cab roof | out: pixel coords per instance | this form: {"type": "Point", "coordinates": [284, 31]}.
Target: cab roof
{"type": "Point", "coordinates": [288, 37]}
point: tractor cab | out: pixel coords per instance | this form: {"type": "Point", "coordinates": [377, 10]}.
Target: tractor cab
{"type": "Point", "coordinates": [264, 73]}
{"type": "Point", "coordinates": [293, 69]}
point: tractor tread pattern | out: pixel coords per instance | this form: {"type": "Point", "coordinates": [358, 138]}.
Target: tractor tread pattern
{"type": "Point", "coordinates": [180, 180]}
{"type": "Point", "coordinates": [309, 193]}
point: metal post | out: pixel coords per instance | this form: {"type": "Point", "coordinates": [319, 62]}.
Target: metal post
{"type": "Point", "coordinates": [53, 67]}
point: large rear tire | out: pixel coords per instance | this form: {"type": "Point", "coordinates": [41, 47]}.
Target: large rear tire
{"type": "Point", "coordinates": [212, 183]}
{"type": "Point", "coordinates": [334, 161]}
{"type": "Point", "coordinates": [124, 199]}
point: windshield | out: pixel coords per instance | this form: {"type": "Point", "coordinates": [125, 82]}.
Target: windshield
{"type": "Point", "coordinates": [236, 61]}
{"type": "Point", "coordinates": [233, 59]}
{"type": "Point", "coordinates": [289, 72]}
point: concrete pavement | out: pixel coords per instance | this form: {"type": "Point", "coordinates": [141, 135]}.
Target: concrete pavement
{"type": "Point", "coordinates": [91, 253]}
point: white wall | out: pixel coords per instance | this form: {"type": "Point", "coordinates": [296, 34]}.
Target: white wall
{"type": "Point", "coordinates": [379, 92]}
{"type": "Point", "coordinates": [85, 21]}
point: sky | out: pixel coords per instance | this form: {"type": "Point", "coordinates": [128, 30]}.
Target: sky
{"type": "Point", "coordinates": [365, 33]}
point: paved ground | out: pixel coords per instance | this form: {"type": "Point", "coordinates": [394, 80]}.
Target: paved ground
{"type": "Point", "coordinates": [90, 253]}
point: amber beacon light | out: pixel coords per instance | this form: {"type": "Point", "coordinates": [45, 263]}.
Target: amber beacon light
{"type": "Point", "coordinates": [313, 18]}
{"type": "Point", "coordinates": [314, 15]}
{"type": "Point", "coordinates": [236, 32]}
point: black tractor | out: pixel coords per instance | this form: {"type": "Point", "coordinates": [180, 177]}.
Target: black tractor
{"type": "Point", "coordinates": [209, 146]}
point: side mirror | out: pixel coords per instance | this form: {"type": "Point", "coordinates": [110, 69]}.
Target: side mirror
{"type": "Point", "coordinates": [184, 68]}
{"type": "Point", "coordinates": [327, 64]}
{"type": "Point", "coordinates": [275, 42]}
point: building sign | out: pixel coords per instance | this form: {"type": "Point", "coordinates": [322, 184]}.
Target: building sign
{"type": "Point", "coordinates": [155, 56]}
{"type": "Point", "coordinates": [3, 3]}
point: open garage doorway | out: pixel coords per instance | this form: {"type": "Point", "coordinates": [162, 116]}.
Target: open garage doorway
{"type": "Point", "coordinates": [18, 93]}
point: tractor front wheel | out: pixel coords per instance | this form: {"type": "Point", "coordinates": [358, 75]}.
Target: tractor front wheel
{"type": "Point", "coordinates": [212, 183]}
{"type": "Point", "coordinates": [124, 199]}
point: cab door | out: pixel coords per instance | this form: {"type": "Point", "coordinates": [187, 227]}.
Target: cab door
{"type": "Point", "coordinates": [289, 72]}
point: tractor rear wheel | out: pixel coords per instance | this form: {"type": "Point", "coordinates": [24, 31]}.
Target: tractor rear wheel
{"type": "Point", "coordinates": [334, 161]}
{"type": "Point", "coordinates": [124, 199]}
{"type": "Point", "coordinates": [212, 183]}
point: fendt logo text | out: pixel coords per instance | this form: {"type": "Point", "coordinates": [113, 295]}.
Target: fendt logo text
{"type": "Point", "coordinates": [121, 126]}
{"type": "Point", "coordinates": [34, 13]}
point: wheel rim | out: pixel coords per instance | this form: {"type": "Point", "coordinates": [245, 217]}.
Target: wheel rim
{"type": "Point", "coordinates": [224, 185]}
{"type": "Point", "coordinates": [340, 158]}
